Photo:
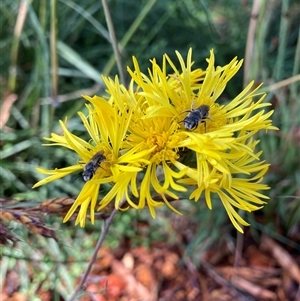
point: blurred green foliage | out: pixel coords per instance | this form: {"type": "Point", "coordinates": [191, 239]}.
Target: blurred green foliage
{"type": "Point", "coordinates": [146, 29]}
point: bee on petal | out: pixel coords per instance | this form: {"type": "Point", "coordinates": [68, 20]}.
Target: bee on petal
{"type": "Point", "coordinates": [92, 166]}
{"type": "Point", "coordinates": [196, 116]}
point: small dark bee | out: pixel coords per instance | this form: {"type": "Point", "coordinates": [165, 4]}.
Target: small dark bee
{"type": "Point", "coordinates": [196, 116]}
{"type": "Point", "coordinates": [91, 167]}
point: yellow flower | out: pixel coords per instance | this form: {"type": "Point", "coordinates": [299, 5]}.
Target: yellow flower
{"type": "Point", "coordinates": [143, 134]}
{"type": "Point", "coordinates": [107, 127]}
{"type": "Point", "coordinates": [237, 188]}
{"type": "Point", "coordinates": [220, 139]}
{"type": "Point", "coordinates": [154, 136]}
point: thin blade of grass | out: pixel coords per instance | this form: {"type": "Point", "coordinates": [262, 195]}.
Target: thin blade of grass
{"type": "Point", "coordinates": [78, 61]}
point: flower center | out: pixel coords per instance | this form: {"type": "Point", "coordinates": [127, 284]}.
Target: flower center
{"type": "Point", "coordinates": [166, 145]}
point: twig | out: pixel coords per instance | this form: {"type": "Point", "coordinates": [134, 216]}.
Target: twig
{"type": "Point", "coordinates": [73, 95]}
{"type": "Point", "coordinates": [238, 252]}
{"type": "Point", "coordinates": [108, 223]}
{"type": "Point", "coordinates": [231, 287]}
{"type": "Point", "coordinates": [288, 81]}
{"type": "Point", "coordinates": [114, 41]}
{"type": "Point", "coordinates": [12, 76]}
{"type": "Point", "coordinates": [250, 39]}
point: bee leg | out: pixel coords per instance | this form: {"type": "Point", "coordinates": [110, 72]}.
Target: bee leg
{"type": "Point", "coordinates": [76, 177]}
{"type": "Point", "coordinates": [186, 111]}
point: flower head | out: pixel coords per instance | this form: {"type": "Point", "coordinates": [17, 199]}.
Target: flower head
{"type": "Point", "coordinates": [219, 136]}
{"type": "Point", "coordinates": [107, 127]}
{"type": "Point", "coordinates": [140, 137]}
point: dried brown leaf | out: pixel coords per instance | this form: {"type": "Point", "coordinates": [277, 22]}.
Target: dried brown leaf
{"type": "Point", "coordinates": [6, 235]}
{"type": "Point", "coordinates": [56, 205]}
{"type": "Point", "coordinates": [32, 223]}
{"type": "Point", "coordinates": [6, 108]}
{"type": "Point", "coordinates": [284, 259]}
{"type": "Point", "coordinates": [253, 289]}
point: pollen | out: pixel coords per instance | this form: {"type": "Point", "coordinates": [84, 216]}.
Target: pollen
{"type": "Point", "coordinates": [165, 146]}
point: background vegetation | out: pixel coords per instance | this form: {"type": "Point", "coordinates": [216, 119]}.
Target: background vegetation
{"type": "Point", "coordinates": [34, 98]}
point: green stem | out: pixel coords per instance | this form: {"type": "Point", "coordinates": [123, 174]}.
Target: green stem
{"type": "Point", "coordinates": [296, 70]}
{"type": "Point", "coordinates": [103, 234]}
{"type": "Point", "coordinates": [283, 34]}
{"type": "Point", "coordinates": [135, 25]}
{"type": "Point", "coordinates": [53, 35]}
{"type": "Point", "coordinates": [114, 41]}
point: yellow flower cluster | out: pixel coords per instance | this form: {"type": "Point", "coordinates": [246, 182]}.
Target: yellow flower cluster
{"type": "Point", "coordinates": [166, 135]}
